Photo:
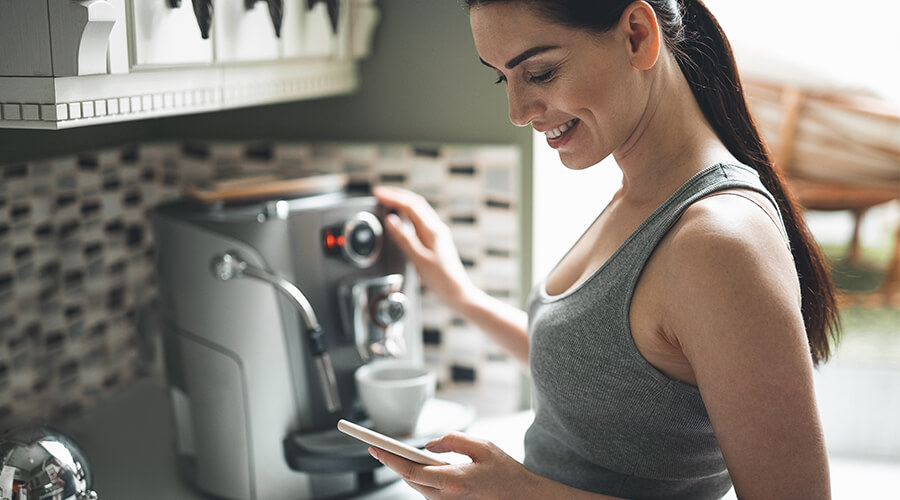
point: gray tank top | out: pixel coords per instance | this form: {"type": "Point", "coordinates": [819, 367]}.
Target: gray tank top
{"type": "Point", "coordinates": [606, 420]}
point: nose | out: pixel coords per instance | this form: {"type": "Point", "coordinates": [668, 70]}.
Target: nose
{"type": "Point", "coordinates": [523, 107]}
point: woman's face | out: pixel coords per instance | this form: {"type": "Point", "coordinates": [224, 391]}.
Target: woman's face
{"type": "Point", "coordinates": [578, 88]}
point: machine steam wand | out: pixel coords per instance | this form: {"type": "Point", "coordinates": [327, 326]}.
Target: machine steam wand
{"type": "Point", "coordinates": [230, 265]}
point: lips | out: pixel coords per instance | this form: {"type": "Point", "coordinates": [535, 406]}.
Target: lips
{"type": "Point", "coordinates": [556, 133]}
{"type": "Point", "coordinates": [559, 136]}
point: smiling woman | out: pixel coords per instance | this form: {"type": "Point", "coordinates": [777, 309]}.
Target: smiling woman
{"type": "Point", "coordinates": [558, 88]}
{"type": "Point", "coordinates": [672, 347]}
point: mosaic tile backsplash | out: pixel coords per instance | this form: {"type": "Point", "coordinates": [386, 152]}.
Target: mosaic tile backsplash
{"type": "Point", "coordinates": [77, 287]}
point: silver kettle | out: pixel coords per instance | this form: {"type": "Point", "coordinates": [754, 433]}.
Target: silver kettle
{"type": "Point", "coordinates": [39, 462]}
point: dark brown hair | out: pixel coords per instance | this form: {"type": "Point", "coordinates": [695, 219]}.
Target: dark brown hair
{"type": "Point", "coordinates": [704, 54]}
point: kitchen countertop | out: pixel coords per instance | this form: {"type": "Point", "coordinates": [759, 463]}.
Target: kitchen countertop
{"type": "Point", "coordinates": [129, 442]}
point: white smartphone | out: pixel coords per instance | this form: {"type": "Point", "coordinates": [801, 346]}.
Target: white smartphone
{"type": "Point", "coordinates": [379, 440]}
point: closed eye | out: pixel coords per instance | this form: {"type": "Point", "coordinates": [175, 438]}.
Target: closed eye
{"type": "Point", "coordinates": [543, 77]}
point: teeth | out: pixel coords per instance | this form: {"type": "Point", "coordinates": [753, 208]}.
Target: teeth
{"type": "Point", "coordinates": [555, 133]}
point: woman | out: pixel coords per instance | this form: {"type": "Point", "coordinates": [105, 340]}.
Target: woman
{"type": "Point", "coordinates": [672, 347]}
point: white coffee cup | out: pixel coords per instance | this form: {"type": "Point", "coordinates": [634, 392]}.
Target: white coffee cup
{"type": "Point", "coordinates": [393, 392]}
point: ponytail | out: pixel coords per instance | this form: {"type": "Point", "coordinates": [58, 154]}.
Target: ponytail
{"type": "Point", "coordinates": [705, 57]}
{"type": "Point", "coordinates": [707, 62]}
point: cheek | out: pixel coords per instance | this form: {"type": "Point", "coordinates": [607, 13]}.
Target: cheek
{"type": "Point", "coordinates": [613, 106]}
{"type": "Point", "coordinates": [617, 83]}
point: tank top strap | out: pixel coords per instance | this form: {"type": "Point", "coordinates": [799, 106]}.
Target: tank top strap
{"type": "Point", "coordinates": [710, 180]}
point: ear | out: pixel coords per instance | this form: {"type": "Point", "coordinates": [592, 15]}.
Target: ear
{"type": "Point", "coordinates": [641, 29]}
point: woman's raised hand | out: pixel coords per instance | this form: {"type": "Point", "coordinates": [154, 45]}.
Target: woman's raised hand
{"type": "Point", "coordinates": [428, 244]}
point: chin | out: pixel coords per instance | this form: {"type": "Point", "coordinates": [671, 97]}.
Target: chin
{"type": "Point", "coordinates": [576, 162]}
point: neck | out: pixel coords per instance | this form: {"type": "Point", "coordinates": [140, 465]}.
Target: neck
{"type": "Point", "coordinates": [671, 142]}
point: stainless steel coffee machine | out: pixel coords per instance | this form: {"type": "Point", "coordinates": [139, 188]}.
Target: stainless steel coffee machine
{"type": "Point", "coordinates": [269, 303]}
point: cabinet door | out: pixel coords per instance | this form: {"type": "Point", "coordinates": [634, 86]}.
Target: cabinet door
{"type": "Point", "coordinates": [242, 34]}
{"type": "Point", "coordinates": [311, 32]}
{"type": "Point", "coordinates": [306, 32]}
{"type": "Point", "coordinates": [163, 35]}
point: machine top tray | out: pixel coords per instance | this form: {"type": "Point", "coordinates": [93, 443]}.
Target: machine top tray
{"type": "Point", "coordinates": [262, 187]}
{"type": "Point", "coordinates": [332, 451]}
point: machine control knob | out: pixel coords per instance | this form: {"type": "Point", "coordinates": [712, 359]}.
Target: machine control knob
{"type": "Point", "coordinates": [362, 238]}
{"type": "Point", "coordinates": [390, 309]}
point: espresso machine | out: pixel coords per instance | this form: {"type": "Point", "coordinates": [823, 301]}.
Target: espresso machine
{"type": "Point", "coordinates": [270, 299]}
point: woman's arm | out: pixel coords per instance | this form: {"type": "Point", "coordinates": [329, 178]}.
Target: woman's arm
{"type": "Point", "coordinates": [735, 312]}
{"type": "Point", "coordinates": [505, 324]}
{"type": "Point", "coordinates": [430, 248]}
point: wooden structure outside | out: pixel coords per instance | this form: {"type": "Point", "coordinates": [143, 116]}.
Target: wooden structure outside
{"type": "Point", "coordinates": [837, 152]}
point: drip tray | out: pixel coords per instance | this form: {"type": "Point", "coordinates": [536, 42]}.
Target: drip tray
{"type": "Point", "coordinates": [332, 451]}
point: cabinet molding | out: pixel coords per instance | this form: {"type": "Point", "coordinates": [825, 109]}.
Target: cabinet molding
{"type": "Point", "coordinates": [98, 75]}
{"type": "Point", "coordinates": [57, 103]}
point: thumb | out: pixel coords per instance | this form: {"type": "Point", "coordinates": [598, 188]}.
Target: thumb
{"type": "Point", "coordinates": [476, 449]}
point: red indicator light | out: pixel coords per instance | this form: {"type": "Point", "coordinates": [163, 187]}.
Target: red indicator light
{"type": "Point", "coordinates": [340, 241]}
{"type": "Point", "coordinates": [329, 240]}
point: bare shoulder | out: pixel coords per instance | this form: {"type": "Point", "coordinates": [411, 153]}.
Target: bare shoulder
{"type": "Point", "coordinates": [728, 268]}
{"type": "Point", "coordinates": [740, 215]}
{"type": "Point", "coordinates": [735, 230]}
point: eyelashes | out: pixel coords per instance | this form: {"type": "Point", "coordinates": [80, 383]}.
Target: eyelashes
{"type": "Point", "coordinates": [541, 78]}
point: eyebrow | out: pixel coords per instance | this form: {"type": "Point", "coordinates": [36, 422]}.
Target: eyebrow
{"type": "Point", "coordinates": [515, 61]}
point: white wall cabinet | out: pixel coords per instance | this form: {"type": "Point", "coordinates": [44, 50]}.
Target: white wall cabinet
{"type": "Point", "coordinates": [308, 32]}
{"type": "Point", "coordinates": [71, 63]}
{"type": "Point", "coordinates": [251, 34]}
{"type": "Point", "coordinates": [163, 35]}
